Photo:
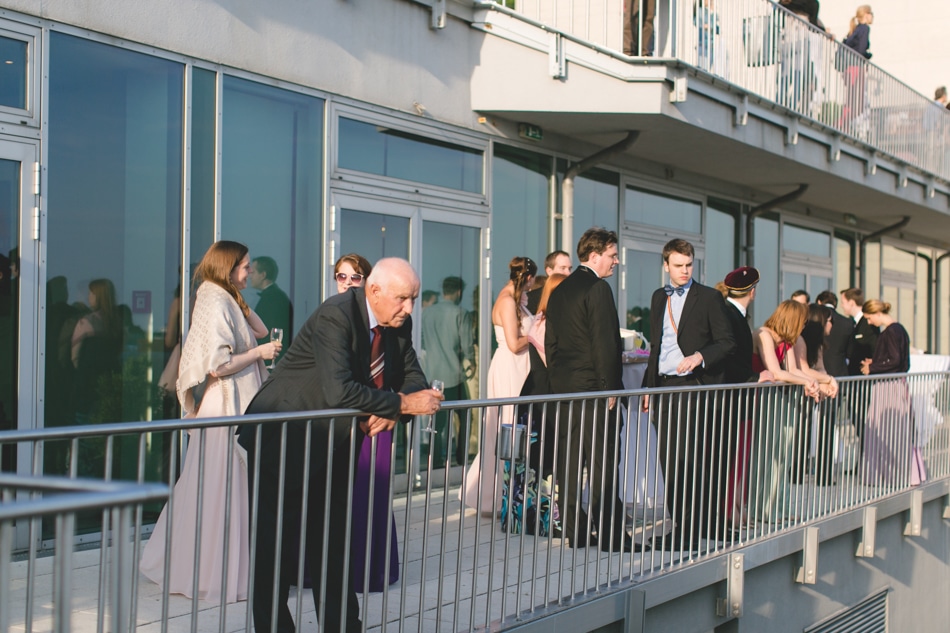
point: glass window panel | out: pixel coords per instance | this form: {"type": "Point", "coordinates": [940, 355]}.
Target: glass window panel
{"type": "Point", "coordinates": [766, 262]}
{"type": "Point", "coordinates": [906, 301]}
{"type": "Point", "coordinates": [817, 284]}
{"type": "Point", "coordinates": [645, 207]}
{"type": "Point", "coordinates": [9, 302]}
{"type": "Point", "coordinates": [13, 73]}
{"type": "Point", "coordinates": [721, 236]}
{"type": "Point", "coordinates": [449, 340]}
{"type": "Point", "coordinates": [203, 146]}
{"type": "Point", "coordinates": [897, 260]}
{"type": "Point", "coordinates": [113, 244]}
{"type": "Point", "coordinates": [872, 263]}
{"type": "Point", "coordinates": [807, 241]}
{"type": "Point", "coordinates": [842, 264]}
{"type": "Point", "coordinates": [921, 309]}
{"type": "Point", "coordinates": [384, 151]}
{"type": "Point", "coordinates": [271, 188]}
{"type": "Point", "coordinates": [596, 202]}
{"type": "Point", "coordinates": [374, 235]}
{"type": "Point", "coordinates": [644, 275]}
{"type": "Point", "coordinates": [791, 282]}
{"type": "Point", "coordinates": [520, 202]}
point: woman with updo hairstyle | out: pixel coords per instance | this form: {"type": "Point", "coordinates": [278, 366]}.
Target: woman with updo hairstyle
{"type": "Point", "coordinates": [506, 375]}
{"type": "Point", "coordinates": [351, 271]}
{"type": "Point", "coordinates": [888, 456]}
{"type": "Point", "coordinates": [220, 371]}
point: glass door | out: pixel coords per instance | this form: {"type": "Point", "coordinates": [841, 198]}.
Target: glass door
{"type": "Point", "coordinates": [18, 277]}
{"type": "Point", "coordinates": [810, 279]}
{"type": "Point", "coordinates": [445, 248]}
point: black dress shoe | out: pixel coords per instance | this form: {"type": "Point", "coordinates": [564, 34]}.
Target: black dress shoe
{"type": "Point", "coordinates": [584, 541]}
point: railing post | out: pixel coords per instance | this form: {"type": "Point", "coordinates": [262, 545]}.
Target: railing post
{"type": "Point", "coordinates": [868, 531]}
{"type": "Point", "coordinates": [916, 513]}
{"type": "Point", "coordinates": [808, 572]}
{"type": "Point", "coordinates": [731, 605]}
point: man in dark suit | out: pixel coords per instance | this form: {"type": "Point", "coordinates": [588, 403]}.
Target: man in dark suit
{"type": "Point", "coordinates": [556, 262]}
{"type": "Point", "coordinates": [583, 349]}
{"type": "Point", "coordinates": [691, 340]}
{"type": "Point", "coordinates": [328, 366]}
{"type": "Point", "coordinates": [273, 306]}
{"type": "Point", "coordinates": [860, 346]}
{"type": "Point", "coordinates": [835, 355]}
{"type": "Point", "coordinates": [864, 336]}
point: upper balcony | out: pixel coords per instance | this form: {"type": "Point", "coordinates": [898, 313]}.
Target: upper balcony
{"type": "Point", "coordinates": [745, 92]}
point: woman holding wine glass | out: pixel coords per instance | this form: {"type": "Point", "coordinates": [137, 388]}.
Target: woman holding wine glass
{"type": "Point", "coordinates": [221, 370]}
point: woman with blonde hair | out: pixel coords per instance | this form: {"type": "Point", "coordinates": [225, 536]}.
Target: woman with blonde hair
{"type": "Point", "coordinates": [851, 60]}
{"type": "Point", "coordinates": [506, 375]}
{"type": "Point", "coordinates": [890, 453]}
{"type": "Point", "coordinates": [221, 369]}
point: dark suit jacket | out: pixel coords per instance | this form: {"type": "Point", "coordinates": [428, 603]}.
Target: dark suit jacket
{"type": "Point", "coordinates": [837, 341]}
{"type": "Point", "coordinates": [703, 327]}
{"type": "Point", "coordinates": [738, 367]}
{"type": "Point", "coordinates": [582, 337]}
{"type": "Point", "coordinates": [863, 341]}
{"type": "Point", "coordinates": [327, 367]}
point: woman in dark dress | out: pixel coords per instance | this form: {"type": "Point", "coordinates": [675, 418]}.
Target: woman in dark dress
{"type": "Point", "coordinates": [889, 436]}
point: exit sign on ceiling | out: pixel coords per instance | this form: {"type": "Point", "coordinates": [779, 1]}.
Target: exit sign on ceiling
{"type": "Point", "coordinates": [530, 132]}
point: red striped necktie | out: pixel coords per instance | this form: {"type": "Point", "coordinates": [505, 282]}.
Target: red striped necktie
{"type": "Point", "coordinates": [377, 359]}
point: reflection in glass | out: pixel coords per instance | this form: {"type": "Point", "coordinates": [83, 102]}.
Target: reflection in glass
{"type": "Point", "coordinates": [721, 238]}
{"type": "Point", "coordinates": [271, 186]}
{"type": "Point", "coordinates": [596, 200]}
{"type": "Point", "coordinates": [521, 184]}
{"type": "Point", "coordinates": [13, 73]}
{"type": "Point", "coordinates": [203, 123]}
{"type": "Point", "coordinates": [807, 241]}
{"type": "Point", "coordinates": [449, 340]}
{"type": "Point", "coordinates": [113, 245]}
{"type": "Point", "coordinates": [387, 152]}
{"type": "Point", "coordinates": [766, 262]}
{"type": "Point", "coordinates": [9, 303]}
{"type": "Point", "coordinates": [647, 207]}
{"type": "Point", "coordinates": [644, 273]}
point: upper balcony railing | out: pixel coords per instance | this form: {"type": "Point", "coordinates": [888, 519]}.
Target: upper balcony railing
{"type": "Point", "coordinates": [763, 48]}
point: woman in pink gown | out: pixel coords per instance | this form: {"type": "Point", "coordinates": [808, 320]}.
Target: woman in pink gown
{"type": "Point", "coordinates": [506, 375]}
{"type": "Point", "coordinates": [221, 369]}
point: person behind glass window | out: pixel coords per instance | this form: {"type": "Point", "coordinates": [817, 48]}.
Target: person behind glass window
{"type": "Point", "coordinates": [273, 306]}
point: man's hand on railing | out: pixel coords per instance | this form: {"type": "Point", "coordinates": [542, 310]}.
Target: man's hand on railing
{"type": "Point", "coordinates": [425, 402]}
{"type": "Point", "coordinates": [644, 403]}
{"type": "Point", "coordinates": [611, 403]}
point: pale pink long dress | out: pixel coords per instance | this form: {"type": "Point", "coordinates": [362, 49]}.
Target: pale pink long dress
{"type": "Point", "coordinates": [506, 376]}
{"type": "Point", "coordinates": [221, 452]}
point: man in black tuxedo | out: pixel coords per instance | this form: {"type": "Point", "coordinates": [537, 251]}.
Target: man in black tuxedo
{"type": "Point", "coordinates": [864, 336]}
{"type": "Point", "coordinates": [860, 346]}
{"type": "Point", "coordinates": [328, 367]}
{"type": "Point", "coordinates": [556, 262]}
{"type": "Point", "coordinates": [583, 349]}
{"type": "Point", "coordinates": [691, 340]}
{"type": "Point", "coordinates": [835, 355]}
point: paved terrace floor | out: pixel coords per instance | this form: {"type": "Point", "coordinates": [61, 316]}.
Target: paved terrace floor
{"type": "Point", "coordinates": [548, 570]}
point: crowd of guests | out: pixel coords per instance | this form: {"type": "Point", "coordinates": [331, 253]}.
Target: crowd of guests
{"type": "Point", "coordinates": [558, 336]}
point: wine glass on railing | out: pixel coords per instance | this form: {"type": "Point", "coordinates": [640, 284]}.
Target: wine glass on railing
{"type": "Point", "coordinates": [439, 386]}
{"type": "Point", "coordinates": [276, 334]}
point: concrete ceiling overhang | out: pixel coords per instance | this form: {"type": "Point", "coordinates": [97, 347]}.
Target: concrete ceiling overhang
{"type": "Point", "coordinates": [769, 150]}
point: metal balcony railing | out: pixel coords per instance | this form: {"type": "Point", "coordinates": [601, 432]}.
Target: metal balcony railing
{"type": "Point", "coordinates": [776, 55]}
{"type": "Point", "coordinates": [24, 503]}
{"type": "Point", "coordinates": [566, 498]}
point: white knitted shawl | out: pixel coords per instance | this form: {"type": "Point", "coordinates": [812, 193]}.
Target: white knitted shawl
{"type": "Point", "coordinates": [218, 330]}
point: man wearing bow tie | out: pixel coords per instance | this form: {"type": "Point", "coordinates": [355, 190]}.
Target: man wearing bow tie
{"type": "Point", "coordinates": [691, 339]}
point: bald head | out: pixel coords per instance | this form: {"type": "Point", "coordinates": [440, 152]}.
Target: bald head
{"type": "Point", "coordinates": [392, 289]}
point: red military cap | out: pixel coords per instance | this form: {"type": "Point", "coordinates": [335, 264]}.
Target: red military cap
{"type": "Point", "coordinates": [742, 278]}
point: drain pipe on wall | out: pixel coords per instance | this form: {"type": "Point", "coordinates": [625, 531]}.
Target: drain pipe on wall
{"type": "Point", "coordinates": [862, 248]}
{"type": "Point", "coordinates": [759, 210]}
{"type": "Point", "coordinates": [567, 185]}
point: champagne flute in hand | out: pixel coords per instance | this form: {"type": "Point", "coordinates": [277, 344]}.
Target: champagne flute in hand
{"type": "Point", "coordinates": [439, 386]}
{"type": "Point", "coordinates": [276, 334]}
